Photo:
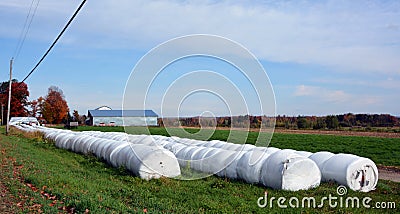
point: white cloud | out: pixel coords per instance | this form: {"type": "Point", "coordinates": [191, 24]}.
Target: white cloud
{"type": "Point", "coordinates": [346, 35]}
{"type": "Point", "coordinates": [358, 37]}
{"type": "Point", "coordinates": [303, 90]}
{"type": "Point", "coordinates": [324, 95]}
{"type": "Point", "coordinates": [379, 82]}
{"type": "Point", "coordinates": [315, 100]}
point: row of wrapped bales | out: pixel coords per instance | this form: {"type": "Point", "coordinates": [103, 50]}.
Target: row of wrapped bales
{"type": "Point", "coordinates": [357, 173]}
{"type": "Point", "coordinates": [280, 169]}
{"type": "Point", "coordinates": [254, 164]}
{"type": "Point", "coordinates": [145, 161]}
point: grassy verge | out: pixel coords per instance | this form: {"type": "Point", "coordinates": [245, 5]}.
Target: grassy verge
{"type": "Point", "coordinates": [35, 169]}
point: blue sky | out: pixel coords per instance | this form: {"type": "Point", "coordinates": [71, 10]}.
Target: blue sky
{"type": "Point", "coordinates": [322, 57]}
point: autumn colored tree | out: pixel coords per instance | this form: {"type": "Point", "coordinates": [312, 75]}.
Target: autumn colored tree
{"type": "Point", "coordinates": [76, 116]}
{"type": "Point", "coordinates": [19, 98]}
{"type": "Point", "coordinates": [34, 108]}
{"type": "Point", "coordinates": [332, 122]}
{"type": "Point", "coordinates": [55, 108]}
{"type": "Point", "coordinates": [40, 106]}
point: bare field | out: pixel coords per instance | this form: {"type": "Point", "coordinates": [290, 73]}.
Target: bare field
{"type": "Point", "coordinates": [318, 132]}
{"type": "Point", "coordinates": [341, 133]}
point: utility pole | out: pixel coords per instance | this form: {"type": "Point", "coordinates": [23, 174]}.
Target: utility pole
{"type": "Point", "coordinates": [2, 107]}
{"type": "Point", "coordinates": [9, 98]}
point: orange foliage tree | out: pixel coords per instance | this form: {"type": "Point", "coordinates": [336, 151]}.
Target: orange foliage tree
{"type": "Point", "coordinates": [19, 99]}
{"type": "Point", "coordinates": [55, 108]}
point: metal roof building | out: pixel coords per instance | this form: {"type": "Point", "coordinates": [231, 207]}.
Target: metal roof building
{"type": "Point", "coordinates": [122, 118]}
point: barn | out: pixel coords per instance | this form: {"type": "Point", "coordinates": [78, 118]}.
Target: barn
{"type": "Point", "coordinates": [105, 116]}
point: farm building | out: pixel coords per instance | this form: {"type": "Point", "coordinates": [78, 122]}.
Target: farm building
{"type": "Point", "coordinates": [105, 116]}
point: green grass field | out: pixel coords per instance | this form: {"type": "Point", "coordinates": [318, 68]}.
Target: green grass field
{"type": "Point", "coordinates": [384, 151]}
{"type": "Point", "coordinates": [84, 182]}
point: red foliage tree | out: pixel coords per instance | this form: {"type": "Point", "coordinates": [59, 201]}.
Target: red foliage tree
{"type": "Point", "coordinates": [19, 99]}
{"type": "Point", "coordinates": [34, 108]}
{"type": "Point", "coordinates": [55, 108]}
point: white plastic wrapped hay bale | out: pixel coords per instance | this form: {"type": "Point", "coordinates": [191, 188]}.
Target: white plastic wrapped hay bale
{"type": "Point", "coordinates": [104, 148]}
{"type": "Point", "coordinates": [93, 146]}
{"type": "Point", "coordinates": [357, 173]}
{"type": "Point", "coordinates": [77, 142]}
{"type": "Point", "coordinates": [164, 141]}
{"type": "Point", "coordinates": [61, 139]}
{"type": "Point", "coordinates": [197, 158]}
{"type": "Point", "coordinates": [245, 147]}
{"type": "Point", "coordinates": [108, 149]}
{"type": "Point", "coordinates": [172, 146]}
{"type": "Point", "coordinates": [140, 139]}
{"type": "Point", "coordinates": [111, 148]}
{"type": "Point", "coordinates": [79, 146]}
{"type": "Point", "coordinates": [85, 147]}
{"type": "Point", "coordinates": [290, 171]}
{"type": "Point", "coordinates": [150, 162]}
{"type": "Point", "coordinates": [230, 171]}
{"type": "Point", "coordinates": [231, 146]}
{"type": "Point", "coordinates": [249, 165]}
{"type": "Point", "coordinates": [268, 150]}
{"type": "Point", "coordinates": [144, 161]}
{"type": "Point", "coordinates": [181, 155]}
{"type": "Point", "coordinates": [99, 146]}
{"type": "Point", "coordinates": [215, 161]}
{"type": "Point", "coordinates": [149, 140]}
{"type": "Point", "coordinates": [120, 137]}
{"type": "Point", "coordinates": [190, 154]}
{"type": "Point", "coordinates": [209, 144]}
{"type": "Point", "coordinates": [189, 142]}
{"type": "Point", "coordinates": [319, 158]}
{"type": "Point", "coordinates": [119, 157]}
{"type": "Point", "coordinates": [304, 153]}
{"type": "Point", "coordinates": [68, 143]}
{"type": "Point", "coordinates": [51, 135]}
{"type": "Point", "coordinates": [218, 144]}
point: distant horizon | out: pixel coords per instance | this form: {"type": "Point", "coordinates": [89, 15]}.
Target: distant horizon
{"type": "Point", "coordinates": [284, 115]}
{"type": "Point", "coordinates": [257, 115]}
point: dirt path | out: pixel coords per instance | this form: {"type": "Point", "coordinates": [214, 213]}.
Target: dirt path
{"type": "Point", "coordinates": [6, 204]}
{"type": "Point", "coordinates": [320, 132]}
{"type": "Point", "coordinates": [7, 200]}
{"type": "Point", "coordinates": [340, 133]}
{"type": "Point", "coordinates": [389, 173]}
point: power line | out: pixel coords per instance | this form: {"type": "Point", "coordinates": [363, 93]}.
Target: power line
{"type": "Point", "coordinates": [25, 29]}
{"type": "Point", "coordinates": [55, 41]}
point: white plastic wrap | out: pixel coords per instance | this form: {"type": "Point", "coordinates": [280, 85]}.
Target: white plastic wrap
{"type": "Point", "coordinates": [231, 171]}
{"type": "Point", "coordinates": [290, 171]}
{"type": "Point", "coordinates": [154, 156]}
{"type": "Point", "coordinates": [319, 158]}
{"type": "Point", "coordinates": [249, 165]}
{"type": "Point", "coordinates": [357, 173]}
{"type": "Point", "coordinates": [142, 160]}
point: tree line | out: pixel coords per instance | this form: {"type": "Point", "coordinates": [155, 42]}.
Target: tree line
{"type": "Point", "coordinates": [51, 108]}
{"type": "Point", "coordinates": [289, 122]}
